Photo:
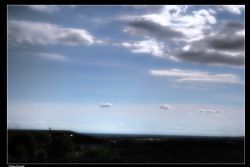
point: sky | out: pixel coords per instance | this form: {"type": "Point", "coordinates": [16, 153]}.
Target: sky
{"type": "Point", "coordinates": [132, 69]}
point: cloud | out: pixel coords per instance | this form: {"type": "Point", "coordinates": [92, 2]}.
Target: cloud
{"type": "Point", "coordinates": [41, 122]}
{"type": "Point", "coordinates": [46, 33]}
{"type": "Point", "coordinates": [225, 47]}
{"type": "Point", "coordinates": [226, 43]}
{"type": "Point", "coordinates": [195, 37]}
{"type": "Point", "coordinates": [233, 25]}
{"type": "Point", "coordinates": [226, 37]}
{"type": "Point", "coordinates": [234, 9]}
{"type": "Point", "coordinates": [105, 105]}
{"type": "Point", "coordinates": [191, 76]}
{"type": "Point", "coordinates": [211, 57]}
{"type": "Point", "coordinates": [148, 46]}
{"type": "Point", "coordinates": [209, 111]}
{"type": "Point", "coordinates": [44, 8]}
{"type": "Point", "coordinates": [52, 56]}
{"type": "Point", "coordinates": [151, 29]}
{"type": "Point", "coordinates": [166, 107]}
{"type": "Point", "coordinates": [171, 22]}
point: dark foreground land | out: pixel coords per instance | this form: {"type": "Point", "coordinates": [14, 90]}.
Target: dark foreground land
{"type": "Point", "coordinates": [43, 146]}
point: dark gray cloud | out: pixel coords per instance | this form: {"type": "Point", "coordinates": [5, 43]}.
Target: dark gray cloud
{"type": "Point", "coordinates": [230, 30]}
{"type": "Point", "coordinates": [226, 43]}
{"type": "Point", "coordinates": [221, 44]}
{"type": "Point", "coordinates": [227, 38]}
{"type": "Point", "coordinates": [234, 25]}
{"type": "Point", "coordinates": [203, 56]}
{"type": "Point", "coordinates": [154, 30]}
{"type": "Point", "coordinates": [225, 46]}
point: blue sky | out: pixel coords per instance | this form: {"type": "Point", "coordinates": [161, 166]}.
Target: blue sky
{"type": "Point", "coordinates": [174, 69]}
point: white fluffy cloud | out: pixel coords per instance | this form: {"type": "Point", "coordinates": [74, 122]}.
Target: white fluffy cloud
{"type": "Point", "coordinates": [46, 33]}
{"type": "Point", "coordinates": [105, 105]}
{"type": "Point", "coordinates": [166, 107]}
{"type": "Point", "coordinates": [148, 46]}
{"type": "Point", "coordinates": [193, 76]}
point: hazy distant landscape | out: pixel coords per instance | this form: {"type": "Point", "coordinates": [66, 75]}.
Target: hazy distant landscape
{"type": "Point", "coordinates": [43, 146]}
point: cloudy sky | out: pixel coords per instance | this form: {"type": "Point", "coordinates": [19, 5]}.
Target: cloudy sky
{"type": "Point", "coordinates": [174, 70]}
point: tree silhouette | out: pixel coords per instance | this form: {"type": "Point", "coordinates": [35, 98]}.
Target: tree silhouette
{"type": "Point", "coordinates": [60, 146]}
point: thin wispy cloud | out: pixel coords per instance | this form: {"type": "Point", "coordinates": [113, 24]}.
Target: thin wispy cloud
{"type": "Point", "coordinates": [42, 122]}
{"type": "Point", "coordinates": [192, 76]}
{"type": "Point", "coordinates": [47, 33]}
{"type": "Point", "coordinates": [52, 56]}
{"type": "Point", "coordinates": [209, 111]}
{"type": "Point", "coordinates": [235, 9]}
{"type": "Point", "coordinates": [44, 8]}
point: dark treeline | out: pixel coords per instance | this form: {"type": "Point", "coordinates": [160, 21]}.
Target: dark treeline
{"type": "Point", "coordinates": [27, 146]}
